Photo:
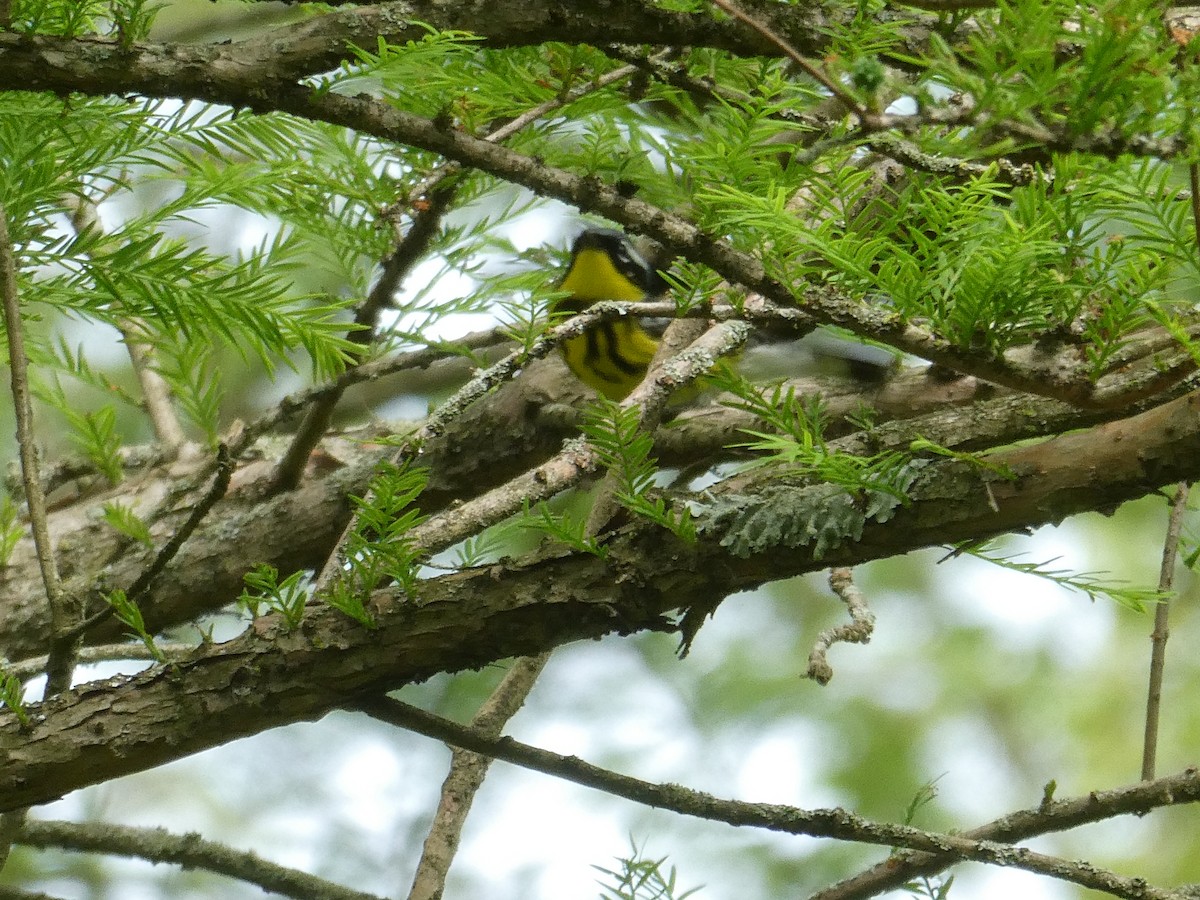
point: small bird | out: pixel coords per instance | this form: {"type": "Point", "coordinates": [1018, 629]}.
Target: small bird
{"type": "Point", "coordinates": [612, 356]}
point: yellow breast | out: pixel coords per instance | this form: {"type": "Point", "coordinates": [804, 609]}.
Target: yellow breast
{"type": "Point", "coordinates": [611, 357]}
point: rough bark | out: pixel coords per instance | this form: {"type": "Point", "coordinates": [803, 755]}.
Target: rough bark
{"type": "Point", "coordinates": [268, 677]}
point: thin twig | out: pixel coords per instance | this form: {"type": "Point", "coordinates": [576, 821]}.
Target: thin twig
{"type": "Point", "coordinates": [507, 130]}
{"type": "Point", "coordinates": [158, 845]}
{"type": "Point", "coordinates": [467, 771]}
{"type": "Point", "coordinates": [1166, 575]}
{"type": "Point", "coordinates": [816, 72]}
{"type": "Point", "coordinates": [60, 662]}
{"type": "Point", "coordinates": [294, 403]}
{"type": "Point", "coordinates": [407, 253]}
{"type": "Point", "coordinates": [830, 823]}
{"type": "Point", "coordinates": [141, 586]}
{"type": "Point", "coordinates": [857, 631]}
{"type": "Point", "coordinates": [1048, 817]}
{"type": "Point", "coordinates": [61, 659]}
{"type": "Point", "coordinates": [156, 393]}
{"type": "Point", "coordinates": [530, 116]}
{"type": "Point", "coordinates": [27, 668]}
{"type": "Point", "coordinates": [1158, 637]}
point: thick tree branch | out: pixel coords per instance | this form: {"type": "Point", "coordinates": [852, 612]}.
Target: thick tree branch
{"type": "Point", "coordinates": [519, 427]}
{"type": "Point", "coordinates": [468, 619]}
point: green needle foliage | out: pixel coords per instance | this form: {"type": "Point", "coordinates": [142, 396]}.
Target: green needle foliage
{"type": "Point", "coordinates": [638, 878]}
{"type": "Point", "coordinates": [1091, 584]}
{"type": "Point", "coordinates": [624, 450]}
{"type": "Point", "coordinates": [380, 550]}
{"type": "Point", "coordinates": [12, 696]}
{"type": "Point", "coordinates": [128, 522]}
{"type": "Point", "coordinates": [793, 438]}
{"type": "Point", "coordinates": [128, 613]}
{"type": "Point", "coordinates": [562, 527]}
{"type": "Point", "coordinates": [287, 597]}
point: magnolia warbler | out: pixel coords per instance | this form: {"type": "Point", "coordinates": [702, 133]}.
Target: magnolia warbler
{"type": "Point", "coordinates": [612, 356]}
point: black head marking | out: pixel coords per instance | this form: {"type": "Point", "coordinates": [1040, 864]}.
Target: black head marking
{"type": "Point", "coordinates": [620, 250]}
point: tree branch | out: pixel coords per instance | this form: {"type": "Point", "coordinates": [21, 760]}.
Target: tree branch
{"type": "Point", "coordinates": [230, 80]}
{"type": "Point", "coordinates": [61, 660]}
{"type": "Point", "coordinates": [470, 618]}
{"type": "Point", "coordinates": [1158, 638]}
{"type": "Point", "coordinates": [158, 845]}
{"type": "Point", "coordinates": [467, 771]}
{"type": "Point", "coordinates": [830, 823]}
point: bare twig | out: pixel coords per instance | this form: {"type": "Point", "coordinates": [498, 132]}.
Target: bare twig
{"type": "Point", "coordinates": [188, 850]}
{"type": "Point", "coordinates": [831, 823]}
{"type": "Point", "coordinates": [1158, 637]}
{"type": "Point", "coordinates": [156, 393]}
{"type": "Point", "coordinates": [467, 771]}
{"type": "Point", "coordinates": [408, 253]}
{"type": "Point", "coordinates": [818, 74]}
{"type": "Point", "coordinates": [857, 631]}
{"type": "Point", "coordinates": [292, 404]}
{"type": "Point", "coordinates": [140, 587]}
{"type": "Point", "coordinates": [61, 659]}
{"type": "Point", "coordinates": [1166, 575]}
{"type": "Point", "coordinates": [1049, 816]}
{"type": "Point", "coordinates": [27, 668]}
